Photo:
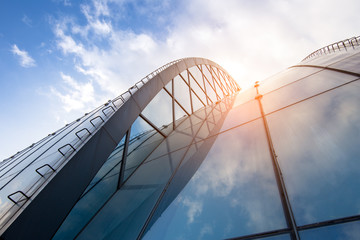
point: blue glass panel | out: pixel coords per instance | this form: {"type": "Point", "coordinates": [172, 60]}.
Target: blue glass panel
{"type": "Point", "coordinates": [125, 213]}
{"type": "Point", "coordinates": [304, 88]}
{"type": "Point", "coordinates": [317, 144]}
{"type": "Point", "coordinates": [350, 64]}
{"type": "Point", "coordinates": [232, 193]}
{"type": "Point", "coordinates": [143, 140]}
{"type": "Point", "coordinates": [187, 130]}
{"type": "Point", "coordinates": [101, 188]}
{"type": "Point", "coordinates": [159, 110]}
{"type": "Point", "coordinates": [140, 152]}
{"type": "Point", "coordinates": [348, 231]}
{"type": "Point", "coordinates": [278, 237]}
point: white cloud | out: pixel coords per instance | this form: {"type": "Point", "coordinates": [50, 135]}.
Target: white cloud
{"type": "Point", "coordinates": [27, 20]}
{"type": "Point", "coordinates": [77, 96]}
{"type": "Point", "coordinates": [251, 40]}
{"type": "Point", "coordinates": [67, 3]}
{"type": "Point", "coordinates": [24, 59]}
{"type": "Point", "coordinates": [194, 209]}
{"type": "Point", "coordinates": [205, 230]}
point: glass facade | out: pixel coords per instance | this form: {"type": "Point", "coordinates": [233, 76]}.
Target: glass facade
{"type": "Point", "coordinates": [203, 160]}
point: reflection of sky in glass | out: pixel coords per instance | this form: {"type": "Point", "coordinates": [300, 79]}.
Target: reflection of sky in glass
{"type": "Point", "coordinates": [317, 143]}
{"type": "Point", "coordinates": [349, 64]}
{"type": "Point", "coordinates": [278, 237]}
{"type": "Point", "coordinates": [241, 114]}
{"type": "Point", "coordinates": [302, 89]}
{"type": "Point", "coordinates": [127, 210]}
{"type": "Point", "coordinates": [159, 110]}
{"type": "Point", "coordinates": [348, 231]}
{"type": "Point", "coordinates": [102, 186]}
{"type": "Point", "coordinates": [285, 77]}
{"type": "Point", "coordinates": [233, 193]}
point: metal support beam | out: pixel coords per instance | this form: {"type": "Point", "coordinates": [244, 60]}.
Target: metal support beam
{"type": "Point", "coordinates": [217, 80]}
{"type": "Point", "coordinates": [200, 152]}
{"type": "Point", "coordinates": [173, 102]}
{"type": "Point", "coordinates": [189, 74]}
{"type": "Point", "coordinates": [213, 87]}
{"type": "Point", "coordinates": [200, 88]}
{"type": "Point", "coordinates": [188, 83]}
{"type": "Point", "coordinates": [173, 97]}
{"type": "Point", "coordinates": [152, 125]}
{"type": "Point", "coordinates": [191, 101]}
{"type": "Point", "coordinates": [202, 75]}
{"type": "Point", "coordinates": [223, 83]}
{"type": "Point", "coordinates": [214, 79]}
{"type": "Point", "coordinates": [222, 74]}
{"type": "Point", "coordinates": [123, 161]}
{"type": "Point", "coordinates": [289, 215]}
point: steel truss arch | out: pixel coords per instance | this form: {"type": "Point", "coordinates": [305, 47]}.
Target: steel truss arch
{"type": "Point", "coordinates": [75, 153]}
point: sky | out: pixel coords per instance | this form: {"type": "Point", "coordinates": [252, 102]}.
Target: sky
{"type": "Point", "coordinates": [62, 58]}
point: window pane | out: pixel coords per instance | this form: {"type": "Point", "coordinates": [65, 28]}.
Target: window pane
{"type": "Point", "coordinates": [348, 231]}
{"type": "Point", "coordinates": [126, 212]}
{"type": "Point", "coordinates": [278, 237]}
{"type": "Point", "coordinates": [197, 83]}
{"type": "Point", "coordinates": [233, 192]}
{"type": "Point", "coordinates": [182, 92]}
{"type": "Point", "coordinates": [101, 188]}
{"type": "Point", "coordinates": [159, 110]}
{"type": "Point", "coordinates": [304, 88]}
{"type": "Point", "coordinates": [242, 114]}
{"type": "Point", "coordinates": [210, 90]}
{"type": "Point", "coordinates": [349, 64]}
{"type": "Point", "coordinates": [143, 140]}
{"type": "Point", "coordinates": [317, 143]}
{"type": "Point", "coordinates": [285, 77]}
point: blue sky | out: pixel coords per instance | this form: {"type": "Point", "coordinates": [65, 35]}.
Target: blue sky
{"type": "Point", "coordinates": [62, 58]}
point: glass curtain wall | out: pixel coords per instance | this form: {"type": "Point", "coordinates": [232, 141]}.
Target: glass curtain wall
{"type": "Point", "coordinates": [312, 115]}
{"type": "Point", "coordinates": [280, 160]}
{"type": "Point", "coordinates": [277, 161]}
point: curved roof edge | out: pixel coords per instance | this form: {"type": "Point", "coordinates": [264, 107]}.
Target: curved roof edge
{"type": "Point", "coordinates": [334, 47]}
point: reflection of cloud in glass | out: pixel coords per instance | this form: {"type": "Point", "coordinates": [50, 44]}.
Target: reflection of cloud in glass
{"type": "Point", "coordinates": [234, 189]}
{"type": "Point", "coordinates": [233, 173]}
{"type": "Point", "coordinates": [317, 143]}
{"type": "Point", "coordinates": [205, 230]}
{"type": "Point", "coordinates": [352, 232]}
{"type": "Point", "coordinates": [348, 231]}
{"type": "Point", "coordinates": [194, 208]}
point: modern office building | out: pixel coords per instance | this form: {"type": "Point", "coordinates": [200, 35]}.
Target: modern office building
{"type": "Point", "coordinates": [187, 154]}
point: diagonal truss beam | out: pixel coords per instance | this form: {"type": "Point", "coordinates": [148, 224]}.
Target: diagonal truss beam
{"type": "Point", "coordinates": [177, 102]}
{"type": "Point", "coordinates": [208, 81]}
{"type": "Point", "coordinates": [152, 125]}
{"type": "Point", "coordinates": [191, 89]}
{"type": "Point", "coordinates": [214, 80]}
{"type": "Point", "coordinates": [207, 97]}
